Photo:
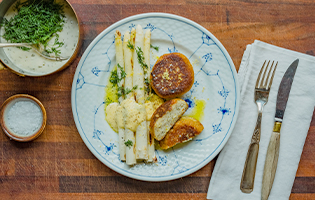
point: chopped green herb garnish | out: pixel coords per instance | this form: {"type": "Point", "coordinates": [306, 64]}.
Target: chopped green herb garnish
{"type": "Point", "coordinates": [121, 91]}
{"type": "Point", "coordinates": [147, 85]}
{"type": "Point", "coordinates": [122, 72]}
{"type": "Point", "coordinates": [36, 22]}
{"type": "Point", "coordinates": [146, 81]}
{"type": "Point", "coordinates": [141, 59]}
{"type": "Point", "coordinates": [108, 101]}
{"type": "Point", "coordinates": [127, 90]}
{"type": "Point", "coordinates": [129, 143]}
{"type": "Point", "coordinates": [148, 98]}
{"type": "Point", "coordinates": [130, 46]}
{"type": "Point", "coordinates": [115, 78]}
{"type": "Point", "coordinates": [154, 47]}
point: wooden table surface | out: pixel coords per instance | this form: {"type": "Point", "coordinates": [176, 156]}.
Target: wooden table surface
{"type": "Point", "coordinates": [58, 165]}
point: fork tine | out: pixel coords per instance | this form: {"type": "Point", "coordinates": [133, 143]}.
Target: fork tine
{"type": "Point", "coordinates": [258, 78]}
{"type": "Point", "coordinates": [264, 78]}
{"type": "Point", "coordinates": [267, 78]}
{"type": "Point", "coordinates": [273, 74]}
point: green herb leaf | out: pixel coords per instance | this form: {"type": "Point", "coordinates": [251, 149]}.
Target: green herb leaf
{"type": "Point", "coordinates": [108, 101]}
{"type": "Point", "coordinates": [154, 47]}
{"type": "Point", "coordinates": [141, 59]}
{"type": "Point", "coordinates": [130, 46]}
{"type": "Point", "coordinates": [120, 92]}
{"type": "Point", "coordinates": [129, 143]}
{"type": "Point", "coordinates": [127, 90]}
{"type": "Point", "coordinates": [123, 92]}
{"type": "Point", "coordinates": [115, 78]}
{"type": "Point", "coordinates": [148, 98]}
{"type": "Point", "coordinates": [122, 72]}
{"type": "Point", "coordinates": [147, 85]}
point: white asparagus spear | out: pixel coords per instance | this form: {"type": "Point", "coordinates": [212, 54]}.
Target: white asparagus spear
{"type": "Point", "coordinates": [120, 66]}
{"type": "Point", "coordinates": [151, 148]}
{"type": "Point", "coordinates": [146, 46]}
{"type": "Point", "coordinates": [130, 150]}
{"type": "Point", "coordinates": [128, 63]}
{"type": "Point", "coordinates": [134, 115]}
{"type": "Point", "coordinates": [138, 73]}
{"type": "Point", "coordinates": [119, 60]}
{"type": "Point", "coordinates": [146, 54]}
{"type": "Point", "coordinates": [129, 135]}
{"type": "Point", "coordinates": [142, 141]}
{"type": "Point", "coordinates": [121, 132]}
{"type": "Point", "coordinates": [138, 79]}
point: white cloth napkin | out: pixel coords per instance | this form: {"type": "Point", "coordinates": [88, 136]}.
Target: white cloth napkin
{"type": "Point", "coordinates": [226, 177]}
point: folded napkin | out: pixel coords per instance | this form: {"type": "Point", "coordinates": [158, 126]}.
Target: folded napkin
{"type": "Point", "coordinates": [226, 177]}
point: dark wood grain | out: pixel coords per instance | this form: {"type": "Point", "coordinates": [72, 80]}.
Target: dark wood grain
{"type": "Point", "coordinates": [127, 185]}
{"type": "Point", "coordinates": [58, 165]}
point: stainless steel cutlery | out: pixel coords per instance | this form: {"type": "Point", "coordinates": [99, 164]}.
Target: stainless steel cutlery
{"type": "Point", "coordinates": [262, 89]}
{"type": "Point", "coordinates": [274, 143]}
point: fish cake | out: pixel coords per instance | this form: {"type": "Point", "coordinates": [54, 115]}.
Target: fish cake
{"type": "Point", "coordinates": [172, 75]}
{"type": "Point", "coordinates": [184, 130]}
{"type": "Point", "coordinates": [166, 116]}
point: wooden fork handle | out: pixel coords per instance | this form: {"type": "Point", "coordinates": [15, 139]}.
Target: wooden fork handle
{"type": "Point", "coordinates": [270, 165]}
{"type": "Point", "coordinates": [248, 177]}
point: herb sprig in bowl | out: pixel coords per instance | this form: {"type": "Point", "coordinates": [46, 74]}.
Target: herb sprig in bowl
{"type": "Point", "coordinates": [36, 22]}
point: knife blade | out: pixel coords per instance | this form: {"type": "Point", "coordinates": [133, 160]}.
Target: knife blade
{"type": "Point", "coordinates": [274, 143]}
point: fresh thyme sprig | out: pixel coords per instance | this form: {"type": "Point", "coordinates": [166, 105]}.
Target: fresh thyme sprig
{"type": "Point", "coordinates": [122, 72]}
{"type": "Point", "coordinates": [122, 92]}
{"type": "Point", "coordinates": [130, 46]}
{"type": "Point", "coordinates": [141, 59]}
{"type": "Point", "coordinates": [145, 68]}
{"type": "Point", "coordinates": [115, 78]}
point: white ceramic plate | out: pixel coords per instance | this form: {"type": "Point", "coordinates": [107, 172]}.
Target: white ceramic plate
{"type": "Point", "coordinates": [215, 84]}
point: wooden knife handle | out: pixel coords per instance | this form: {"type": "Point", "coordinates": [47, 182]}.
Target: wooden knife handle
{"type": "Point", "coordinates": [248, 177]}
{"type": "Point", "coordinates": [270, 165]}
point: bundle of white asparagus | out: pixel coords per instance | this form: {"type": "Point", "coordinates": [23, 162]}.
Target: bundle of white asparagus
{"type": "Point", "coordinates": [133, 61]}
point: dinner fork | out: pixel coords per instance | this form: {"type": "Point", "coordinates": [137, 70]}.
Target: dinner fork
{"type": "Point", "coordinates": [262, 88]}
{"type": "Point", "coordinates": [57, 58]}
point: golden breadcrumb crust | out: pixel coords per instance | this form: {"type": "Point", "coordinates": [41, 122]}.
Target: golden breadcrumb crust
{"type": "Point", "coordinates": [184, 130]}
{"type": "Point", "coordinates": [172, 75]}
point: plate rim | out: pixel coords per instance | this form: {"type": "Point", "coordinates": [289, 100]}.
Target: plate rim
{"type": "Point", "coordinates": [220, 145]}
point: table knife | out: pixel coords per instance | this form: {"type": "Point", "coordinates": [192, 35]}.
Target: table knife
{"type": "Point", "coordinates": [274, 143]}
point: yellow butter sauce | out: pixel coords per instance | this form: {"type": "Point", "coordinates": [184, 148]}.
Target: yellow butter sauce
{"type": "Point", "coordinates": [111, 104]}
{"type": "Point", "coordinates": [110, 92]}
{"type": "Point", "coordinates": [197, 110]}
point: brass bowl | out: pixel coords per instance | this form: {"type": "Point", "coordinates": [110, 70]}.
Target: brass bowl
{"type": "Point", "coordinates": [5, 108]}
{"type": "Point", "coordinates": [5, 61]}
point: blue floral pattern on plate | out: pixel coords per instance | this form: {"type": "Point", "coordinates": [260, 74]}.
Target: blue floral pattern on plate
{"type": "Point", "coordinates": [215, 83]}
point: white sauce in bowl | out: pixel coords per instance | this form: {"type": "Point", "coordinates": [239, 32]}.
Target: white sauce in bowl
{"type": "Point", "coordinates": [32, 62]}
